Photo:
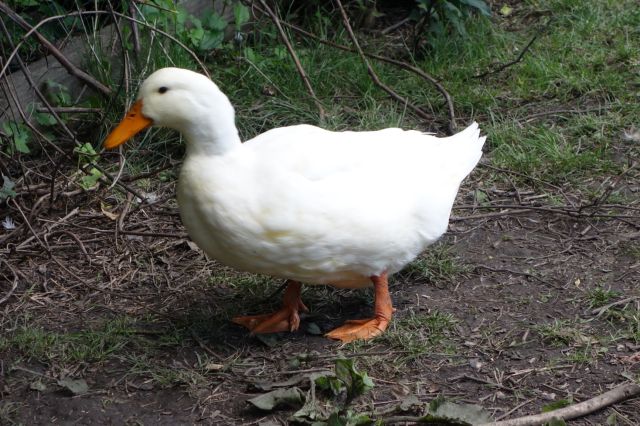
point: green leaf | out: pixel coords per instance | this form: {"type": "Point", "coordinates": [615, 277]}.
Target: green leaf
{"type": "Point", "coordinates": [241, 14]}
{"type": "Point", "coordinates": [86, 153]}
{"type": "Point", "coordinates": [76, 387]}
{"type": "Point", "coordinates": [356, 382]}
{"type": "Point", "coordinates": [456, 414]}
{"type": "Point", "coordinates": [45, 119]}
{"type": "Point", "coordinates": [561, 403]}
{"type": "Point", "coordinates": [211, 40]}
{"type": "Point", "coordinates": [556, 422]}
{"type": "Point", "coordinates": [249, 54]}
{"type": "Point", "coordinates": [7, 188]}
{"type": "Point", "coordinates": [290, 397]}
{"type": "Point", "coordinates": [90, 180]}
{"type": "Point", "coordinates": [20, 135]}
{"type": "Point", "coordinates": [216, 22]}
{"type": "Point", "coordinates": [506, 10]}
{"type": "Point", "coordinates": [480, 5]}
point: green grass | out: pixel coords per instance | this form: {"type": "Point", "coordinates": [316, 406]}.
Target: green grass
{"type": "Point", "coordinates": [437, 265]}
{"type": "Point", "coordinates": [420, 334]}
{"type": "Point", "coordinates": [600, 296]}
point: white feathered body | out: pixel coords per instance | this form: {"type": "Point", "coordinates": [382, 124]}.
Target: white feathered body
{"type": "Point", "coordinates": [324, 207]}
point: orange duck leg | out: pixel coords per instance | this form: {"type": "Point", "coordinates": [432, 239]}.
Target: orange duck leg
{"type": "Point", "coordinates": [285, 319]}
{"type": "Point", "coordinates": [372, 327]}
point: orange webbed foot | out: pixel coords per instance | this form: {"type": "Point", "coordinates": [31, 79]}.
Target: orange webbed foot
{"type": "Point", "coordinates": [371, 327]}
{"type": "Point", "coordinates": [285, 319]}
{"type": "Point", "coordinates": [359, 329]}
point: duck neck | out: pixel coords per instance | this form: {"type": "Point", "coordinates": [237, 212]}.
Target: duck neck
{"type": "Point", "coordinates": [210, 139]}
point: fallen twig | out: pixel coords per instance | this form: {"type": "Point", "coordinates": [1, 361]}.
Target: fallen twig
{"type": "Point", "coordinates": [13, 286]}
{"type": "Point", "coordinates": [615, 395]}
{"type": "Point", "coordinates": [518, 59]}
{"type": "Point", "coordinates": [372, 73]}
{"type": "Point", "coordinates": [599, 311]}
{"type": "Point", "coordinates": [71, 68]}
{"type": "Point", "coordinates": [439, 87]}
{"type": "Point", "coordinates": [48, 229]}
{"type": "Point", "coordinates": [294, 56]}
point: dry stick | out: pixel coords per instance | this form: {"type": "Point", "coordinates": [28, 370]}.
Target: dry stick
{"type": "Point", "coordinates": [71, 110]}
{"type": "Point", "coordinates": [59, 222]}
{"type": "Point", "coordinates": [134, 29]}
{"type": "Point", "coordinates": [83, 168]}
{"type": "Point", "coordinates": [615, 395]}
{"type": "Point", "coordinates": [372, 74]}
{"type": "Point", "coordinates": [599, 311]}
{"type": "Point", "coordinates": [518, 59]}
{"type": "Point", "coordinates": [294, 56]}
{"type": "Point", "coordinates": [71, 69]}
{"type": "Point", "coordinates": [100, 12]}
{"type": "Point", "coordinates": [439, 87]}
{"type": "Point", "coordinates": [13, 286]}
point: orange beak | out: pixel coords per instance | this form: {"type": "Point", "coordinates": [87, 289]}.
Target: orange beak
{"type": "Point", "coordinates": [133, 123]}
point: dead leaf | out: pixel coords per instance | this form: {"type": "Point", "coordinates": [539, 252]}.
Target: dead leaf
{"type": "Point", "coordinates": [38, 386]}
{"type": "Point", "coordinates": [291, 397]}
{"type": "Point", "coordinates": [212, 366]}
{"type": "Point", "coordinates": [75, 386]}
{"type": "Point", "coordinates": [111, 215]}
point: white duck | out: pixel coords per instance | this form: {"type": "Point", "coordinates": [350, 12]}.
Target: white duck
{"type": "Point", "coordinates": [302, 203]}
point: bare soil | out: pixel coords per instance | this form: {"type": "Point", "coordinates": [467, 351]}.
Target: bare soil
{"type": "Point", "coordinates": [526, 326]}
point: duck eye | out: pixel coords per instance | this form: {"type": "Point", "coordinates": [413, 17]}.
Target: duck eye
{"type": "Point", "coordinates": [163, 89]}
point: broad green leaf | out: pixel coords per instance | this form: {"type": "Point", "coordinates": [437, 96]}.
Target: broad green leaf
{"type": "Point", "coordinates": [478, 4]}
{"type": "Point", "coordinates": [241, 14]}
{"type": "Point", "coordinates": [211, 40]}
{"type": "Point", "coordinates": [290, 397]}
{"type": "Point", "coordinates": [45, 119]}
{"type": "Point", "coordinates": [216, 22]}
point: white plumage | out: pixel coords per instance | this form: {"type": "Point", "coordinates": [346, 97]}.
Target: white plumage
{"type": "Point", "coordinates": [301, 202]}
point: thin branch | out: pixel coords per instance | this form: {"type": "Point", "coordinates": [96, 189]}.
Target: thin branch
{"type": "Point", "coordinates": [615, 395]}
{"type": "Point", "coordinates": [101, 12]}
{"type": "Point", "coordinates": [518, 59]}
{"type": "Point", "coordinates": [71, 68]}
{"type": "Point", "coordinates": [294, 56]}
{"type": "Point", "coordinates": [404, 65]}
{"type": "Point", "coordinates": [372, 74]}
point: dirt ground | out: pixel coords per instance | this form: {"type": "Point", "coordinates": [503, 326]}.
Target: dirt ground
{"type": "Point", "coordinates": [538, 307]}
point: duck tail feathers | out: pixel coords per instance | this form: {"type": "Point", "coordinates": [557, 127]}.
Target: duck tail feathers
{"type": "Point", "coordinates": [467, 148]}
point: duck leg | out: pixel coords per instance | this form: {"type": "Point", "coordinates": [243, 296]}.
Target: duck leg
{"type": "Point", "coordinates": [369, 328]}
{"type": "Point", "coordinates": [285, 319]}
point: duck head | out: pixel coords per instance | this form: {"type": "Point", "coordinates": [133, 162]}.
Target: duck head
{"type": "Point", "coordinates": [182, 100]}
